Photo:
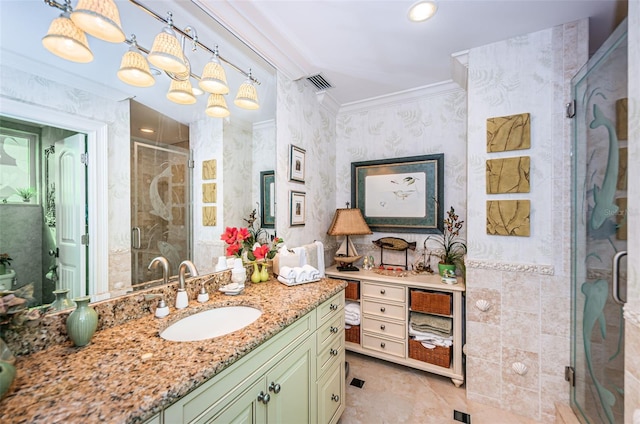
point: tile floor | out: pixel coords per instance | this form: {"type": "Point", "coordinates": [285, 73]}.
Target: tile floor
{"type": "Point", "coordinates": [394, 394]}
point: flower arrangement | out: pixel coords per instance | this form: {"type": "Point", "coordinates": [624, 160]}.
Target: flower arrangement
{"type": "Point", "coordinates": [249, 240]}
{"type": "Point", "coordinates": [26, 193]}
{"type": "Point", "coordinates": [453, 248]}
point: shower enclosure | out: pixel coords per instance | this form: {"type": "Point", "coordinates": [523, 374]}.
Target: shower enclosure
{"type": "Point", "coordinates": [160, 207]}
{"type": "Point", "coordinates": [599, 233]}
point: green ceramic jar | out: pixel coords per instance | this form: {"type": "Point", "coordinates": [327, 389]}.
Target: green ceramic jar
{"type": "Point", "coordinates": [82, 323]}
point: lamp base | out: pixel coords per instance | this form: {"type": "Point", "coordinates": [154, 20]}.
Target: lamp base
{"type": "Point", "coordinates": [347, 267]}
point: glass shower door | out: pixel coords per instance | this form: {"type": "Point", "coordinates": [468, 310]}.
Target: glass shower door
{"type": "Point", "coordinates": [161, 211]}
{"type": "Point", "coordinates": [599, 233]}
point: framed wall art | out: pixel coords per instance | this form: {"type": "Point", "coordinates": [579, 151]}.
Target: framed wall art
{"type": "Point", "coordinates": [401, 194]}
{"type": "Point", "coordinates": [297, 207]}
{"type": "Point", "coordinates": [267, 199]}
{"type": "Point", "coordinates": [296, 164]}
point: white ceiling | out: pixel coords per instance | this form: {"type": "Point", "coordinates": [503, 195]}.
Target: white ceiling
{"type": "Point", "coordinates": [368, 48]}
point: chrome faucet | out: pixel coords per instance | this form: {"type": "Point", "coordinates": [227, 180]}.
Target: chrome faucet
{"type": "Point", "coordinates": [165, 267]}
{"type": "Point", "coordinates": [182, 300]}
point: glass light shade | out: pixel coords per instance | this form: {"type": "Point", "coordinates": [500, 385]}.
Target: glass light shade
{"type": "Point", "coordinates": [166, 52]}
{"type": "Point", "coordinates": [214, 79]}
{"type": "Point", "coordinates": [134, 70]}
{"type": "Point", "coordinates": [66, 40]}
{"type": "Point", "coordinates": [247, 97]}
{"type": "Point", "coordinates": [217, 106]}
{"type": "Point", "coordinates": [180, 92]}
{"type": "Point", "coordinates": [422, 10]}
{"type": "Point", "coordinates": [99, 18]}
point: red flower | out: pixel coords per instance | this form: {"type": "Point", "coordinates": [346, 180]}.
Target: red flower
{"type": "Point", "coordinates": [233, 249]}
{"type": "Point", "coordinates": [243, 234]}
{"type": "Point", "coordinates": [261, 252]}
{"type": "Point", "coordinates": [230, 236]}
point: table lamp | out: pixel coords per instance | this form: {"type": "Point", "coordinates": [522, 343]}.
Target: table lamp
{"type": "Point", "coordinates": [348, 222]}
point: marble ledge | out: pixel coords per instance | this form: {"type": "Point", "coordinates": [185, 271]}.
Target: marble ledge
{"type": "Point", "coordinates": [128, 373]}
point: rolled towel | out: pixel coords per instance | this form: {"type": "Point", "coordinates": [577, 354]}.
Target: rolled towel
{"type": "Point", "coordinates": [287, 272]}
{"type": "Point", "coordinates": [301, 274]}
{"type": "Point", "coordinates": [286, 281]}
{"type": "Point", "coordinates": [313, 273]}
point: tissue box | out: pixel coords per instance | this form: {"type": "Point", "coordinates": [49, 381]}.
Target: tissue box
{"type": "Point", "coordinates": [291, 260]}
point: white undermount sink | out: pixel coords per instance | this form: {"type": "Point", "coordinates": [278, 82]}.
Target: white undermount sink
{"type": "Point", "coordinates": [211, 323]}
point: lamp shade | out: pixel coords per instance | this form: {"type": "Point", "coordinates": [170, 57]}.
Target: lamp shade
{"type": "Point", "coordinates": [166, 52]}
{"type": "Point", "coordinates": [66, 40]}
{"type": "Point", "coordinates": [422, 10]}
{"type": "Point", "coordinates": [180, 92]}
{"type": "Point", "coordinates": [134, 69]}
{"type": "Point", "coordinates": [99, 18]}
{"type": "Point", "coordinates": [217, 106]}
{"type": "Point", "coordinates": [214, 79]}
{"type": "Point", "coordinates": [348, 222]}
{"type": "Point", "coordinates": [247, 97]}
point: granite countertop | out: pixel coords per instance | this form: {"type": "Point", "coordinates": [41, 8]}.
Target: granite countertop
{"type": "Point", "coordinates": [128, 373]}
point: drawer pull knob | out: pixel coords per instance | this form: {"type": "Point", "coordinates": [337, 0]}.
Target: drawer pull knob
{"type": "Point", "coordinates": [274, 387]}
{"type": "Point", "coordinates": [382, 309]}
{"type": "Point", "coordinates": [334, 330]}
{"type": "Point", "coordinates": [264, 397]}
{"type": "Point", "coordinates": [333, 307]}
{"type": "Point", "coordinates": [333, 352]}
{"type": "Point", "coordinates": [382, 345]}
{"type": "Point", "coordinates": [382, 291]}
{"type": "Point", "coordinates": [382, 327]}
{"type": "Point", "coordinates": [335, 398]}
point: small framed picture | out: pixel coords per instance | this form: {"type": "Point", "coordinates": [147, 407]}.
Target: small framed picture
{"type": "Point", "coordinates": [296, 164]}
{"type": "Point", "coordinates": [297, 207]}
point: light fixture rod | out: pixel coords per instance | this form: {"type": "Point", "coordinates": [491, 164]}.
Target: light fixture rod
{"type": "Point", "coordinates": [194, 40]}
{"type": "Point", "coordinates": [65, 7]}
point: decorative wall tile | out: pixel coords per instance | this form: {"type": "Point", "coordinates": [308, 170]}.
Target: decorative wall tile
{"type": "Point", "coordinates": [508, 133]}
{"type": "Point", "coordinates": [621, 218]}
{"type": "Point", "coordinates": [209, 192]}
{"type": "Point", "coordinates": [622, 169]}
{"type": "Point", "coordinates": [508, 175]}
{"type": "Point", "coordinates": [209, 216]}
{"type": "Point", "coordinates": [508, 217]}
{"type": "Point", "coordinates": [621, 118]}
{"type": "Point", "coordinates": [209, 169]}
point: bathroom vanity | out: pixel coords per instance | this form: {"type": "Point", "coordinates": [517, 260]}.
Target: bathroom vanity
{"type": "Point", "coordinates": [287, 366]}
{"type": "Point", "coordinates": [386, 302]}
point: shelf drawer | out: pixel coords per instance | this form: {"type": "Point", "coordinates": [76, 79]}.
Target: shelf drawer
{"type": "Point", "coordinates": [385, 328]}
{"type": "Point", "coordinates": [383, 291]}
{"type": "Point", "coordinates": [329, 331]}
{"type": "Point", "coordinates": [390, 347]}
{"type": "Point", "coordinates": [331, 308]}
{"type": "Point", "coordinates": [329, 354]}
{"type": "Point", "coordinates": [386, 310]}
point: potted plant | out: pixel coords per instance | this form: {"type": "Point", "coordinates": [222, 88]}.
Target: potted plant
{"type": "Point", "coordinates": [26, 193]}
{"type": "Point", "coordinates": [5, 260]}
{"type": "Point", "coordinates": [452, 247]}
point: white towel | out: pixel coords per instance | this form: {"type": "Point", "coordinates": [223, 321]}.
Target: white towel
{"type": "Point", "coordinates": [287, 272]}
{"type": "Point", "coordinates": [352, 319]}
{"type": "Point", "coordinates": [286, 281]}
{"type": "Point", "coordinates": [352, 307]}
{"type": "Point", "coordinates": [320, 257]}
{"type": "Point", "coordinates": [302, 274]}
{"type": "Point", "coordinates": [300, 251]}
{"type": "Point", "coordinates": [313, 273]}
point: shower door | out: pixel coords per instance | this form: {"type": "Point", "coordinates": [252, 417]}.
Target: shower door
{"type": "Point", "coordinates": [599, 233]}
{"type": "Point", "coordinates": [160, 208]}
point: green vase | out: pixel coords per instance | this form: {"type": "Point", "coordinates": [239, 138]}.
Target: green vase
{"type": "Point", "coordinates": [3, 269]}
{"type": "Point", "coordinates": [61, 302]}
{"type": "Point", "coordinates": [446, 267]}
{"type": "Point", "coordinates": [255, 277]}
{"type": "Point", "coordinates": [82, 323]}
{"type": "Point", "coordinates": [264, 273]}
{"type": "Point", "coordinates": [7, 374]}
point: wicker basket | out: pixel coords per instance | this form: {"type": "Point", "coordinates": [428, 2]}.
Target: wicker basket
{"type": "Point", "coordinates": [439, 355]}
{"type": "Point", "coordinates": [352, 334]}
{"type": "Point", "coordinates": [430, 302]}
{"type": "Point", "coordinates": [352, 292]}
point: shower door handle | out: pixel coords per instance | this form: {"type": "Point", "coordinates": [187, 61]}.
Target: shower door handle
{"type": "Point", "coordinates": [616, 277]}
{"type": "Point", "coordinates": [135, 237]}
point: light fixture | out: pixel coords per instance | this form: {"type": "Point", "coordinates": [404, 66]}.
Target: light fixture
{"type": "Point", "coordinates": [147, 130]}
{"type": "Point", "coordinates": [134, 69]}
{"type": "Point", "coordinates": [99, 18]}
{"type": "Point", "coordinates": [422, 10]}
{"type": "Point", "coordinates": [166, 52]}
{"type": "Point", "coordinates": [217, 106]}
{"type": "Point", "coordinates": [180, 92]}
{"type": "Point", "coordinates": [66, 40]}
{"type": "Point", "coordinates": [214, 79]}
{"type": "Point", "coordinates": [348, 222]}
{"type": "Point", "coordinates": [247, 97]}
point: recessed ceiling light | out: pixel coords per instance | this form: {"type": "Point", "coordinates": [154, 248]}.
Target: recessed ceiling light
{"type": "Point", "coordinates": [422, 10]}
{"type": "Point", "coordinates": [147, 130]}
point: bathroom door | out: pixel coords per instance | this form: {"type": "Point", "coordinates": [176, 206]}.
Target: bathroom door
{"type": "Point", "coordinates": [160, 208]}
{"type": "Point", "coordinates": [599, 233]}
{"type": "Point", "coordinates": [71, 214]}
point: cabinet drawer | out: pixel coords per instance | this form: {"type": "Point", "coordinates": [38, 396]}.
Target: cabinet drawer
{"type": "Point", "coordinates": [328, 355]}
{"type": "Point", "coordinates": [331, 393]}
{"type": "Point", "coordinates": [331, 307]}
{"type": "Point", "coordinates": [330, 331]}
{"type": "Point", "coordinates": [383, 291]}
{"type": "Point", "coordinates": [385, 328]}
{"type": "Point", "coordinates": [386, 310]}
{"type": "Point", "coordinates": [390, 347]}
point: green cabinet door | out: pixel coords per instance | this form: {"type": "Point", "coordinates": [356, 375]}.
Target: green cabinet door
{"type": "Point", "coordinates": [247, 408]}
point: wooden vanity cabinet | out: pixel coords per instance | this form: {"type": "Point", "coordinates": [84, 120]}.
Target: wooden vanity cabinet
{"type": "Point", "coordinates": [279, 382]}
{"type": "Point", "coordinates": [385, 308]}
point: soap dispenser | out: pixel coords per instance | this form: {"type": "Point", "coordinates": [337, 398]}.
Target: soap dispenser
{"type": "Point", "coordinates": [162, 310]}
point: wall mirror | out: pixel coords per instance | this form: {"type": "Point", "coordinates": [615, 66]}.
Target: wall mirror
{"type": "Point", "coordinates": [94, 229]}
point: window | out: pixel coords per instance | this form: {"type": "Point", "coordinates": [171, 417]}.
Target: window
{"type": "Point", "coordinates": [18, 165]}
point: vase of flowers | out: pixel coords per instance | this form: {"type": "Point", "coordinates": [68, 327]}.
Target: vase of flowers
{"type": "Point", "coordinates": [5, 261]}
{"type": "Point", "coordinates": [452, 248]}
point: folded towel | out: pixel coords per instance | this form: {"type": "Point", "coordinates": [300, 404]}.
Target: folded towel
{"type": "Point", "coordinates": [300, 251]}
{"type": "Point", "coordinates": [353, 307]}
{"type": "Point", "coordinates": [287, 281]}
{"type": "Point", "coordinates": [313, 273]}
{"type": "Point", "coordinates": [352, 320]}
{"type": "Point", "coordinates": [287, 272]}
{"type": "Point", "coordinates": [426, 321]}
{"type": "Point", "coordinates": [320, 248]}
